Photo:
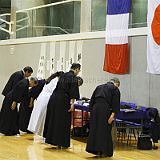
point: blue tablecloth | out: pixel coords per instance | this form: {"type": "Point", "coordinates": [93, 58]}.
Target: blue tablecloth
{"type": "Point", "coordinates": [82, 107]}
{"type": "Point", "coordinates": [137, 116]}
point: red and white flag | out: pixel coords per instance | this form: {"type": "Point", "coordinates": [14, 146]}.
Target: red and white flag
{"type": "Point", "coordinates": [116, 50]}
{"type": "Point", "coordinates": [153, 39]}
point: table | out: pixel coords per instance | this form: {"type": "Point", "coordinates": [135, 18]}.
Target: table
{"type": "Point", "coordinates": [132, 115]}
{"type": "Point", "coordinates": [126, 115]}
{"type": "Point", "coordinates": [82, 108]}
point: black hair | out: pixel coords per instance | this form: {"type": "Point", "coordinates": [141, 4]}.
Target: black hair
{"type": "Point", "coordinates": [28, 69]}
{"type": "Point", "coordinates": [80, 81]}
{"type": "Point", "coordinates": [54, 75]}
{"type": "Point", "coordinates": [76, 66]}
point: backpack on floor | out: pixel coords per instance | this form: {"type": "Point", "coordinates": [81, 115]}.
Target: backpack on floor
{"type": "Point", "coordinates": [80, 131]}
{"type": "Point", "coordinates": [144, 142]}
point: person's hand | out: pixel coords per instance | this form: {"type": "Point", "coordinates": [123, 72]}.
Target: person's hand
{"type": "Point", "coordinates": [111, 119]}
{"type": "Point", "coordinates": [30, 105]}
{"type": "Point", "coordinates": [31, 102]}
{"type": "Point", "coordinates": [71, 108]}
{"type": "Point", "coordinates": [13, 106]}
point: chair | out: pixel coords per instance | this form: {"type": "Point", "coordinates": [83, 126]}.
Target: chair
{"type": "Point", "coordinates": [121, 127]}
{"type": "Point", "coordinates": [133, 130]}
{"type": "Point", "coordinates": [126, 130]}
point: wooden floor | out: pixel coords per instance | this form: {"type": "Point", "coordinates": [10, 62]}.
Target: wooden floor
{"type": "Point", "coordinates": [23, 148]}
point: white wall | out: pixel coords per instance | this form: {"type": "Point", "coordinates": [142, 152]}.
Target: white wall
{"type": "Point", "coordinates": [137, 86]}
{"type": "Point", "coordinates": [16, 57]}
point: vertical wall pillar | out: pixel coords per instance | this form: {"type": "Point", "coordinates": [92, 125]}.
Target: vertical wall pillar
{"type": "Point", "coordinates": [19, 5]}
{"type": "Point", "coordinates": [13, 18]}
{"type": "Point", "coordinates": [85, 24]}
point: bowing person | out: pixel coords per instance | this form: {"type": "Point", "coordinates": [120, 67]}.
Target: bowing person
{"type": "Point", "coordinates": [38, 116]}
{"type": "Point", "coordinates": [61, 103]}
{"type": "Point", "coordinates": [26, 106]}
{"type": "Point", "coordinates": [9, 114]}
{"type": "Point", "coordinates": [104, 104]}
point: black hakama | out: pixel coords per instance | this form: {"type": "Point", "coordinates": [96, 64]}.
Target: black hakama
{"type": "Point", "coordinates": [104, 101]}
{"type": "Point", "coordinates": [58, 119]}
{"type": "Point", "coordinates": [26, 110]}
{"type": "Point", "coordinates": [24, 114]}
{"type": "Point", "coordinates": [8, 117]}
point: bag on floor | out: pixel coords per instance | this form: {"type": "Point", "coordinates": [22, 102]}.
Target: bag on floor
{"type": "Point", "coordinates": [144, 142]}
{"type": "Point", "coordinates": [80, 131]}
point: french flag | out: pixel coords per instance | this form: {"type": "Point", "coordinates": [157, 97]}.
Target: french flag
{"type": "Point", "coordinates": [116, 49]}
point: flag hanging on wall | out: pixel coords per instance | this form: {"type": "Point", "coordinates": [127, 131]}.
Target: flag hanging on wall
{"type": "Point", "coordinates": [153, 39]}
{"type": "Point", "coordinates": [116, 49]}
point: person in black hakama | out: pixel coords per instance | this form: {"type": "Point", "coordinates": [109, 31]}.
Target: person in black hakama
{"type": "Point", "coordinates": [26, 105]}
{"type": "Point", "coordinates": [61, 103]}
{"type": "Point", "coordinates": [105, 102]}
{"type": "Point", "coordinates": [154, 125]}
{"type": "Point", "coordinates": [9, 114]}
{"type": "Point", "coordinates": [15, 78]}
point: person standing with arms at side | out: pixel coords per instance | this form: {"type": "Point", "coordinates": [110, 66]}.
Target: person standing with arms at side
{"type": "Point", "coordinates": [9, 114]}
{"type": "Point", "coordinates": [58, 119]}
{"type": "Point", "coordinates": [15, 78]}
{"type": "Point", "coordinates": [104, 104]}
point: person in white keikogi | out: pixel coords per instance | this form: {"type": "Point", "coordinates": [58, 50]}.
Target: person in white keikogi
{"type": "Point", "coordinates": [37, 119]}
